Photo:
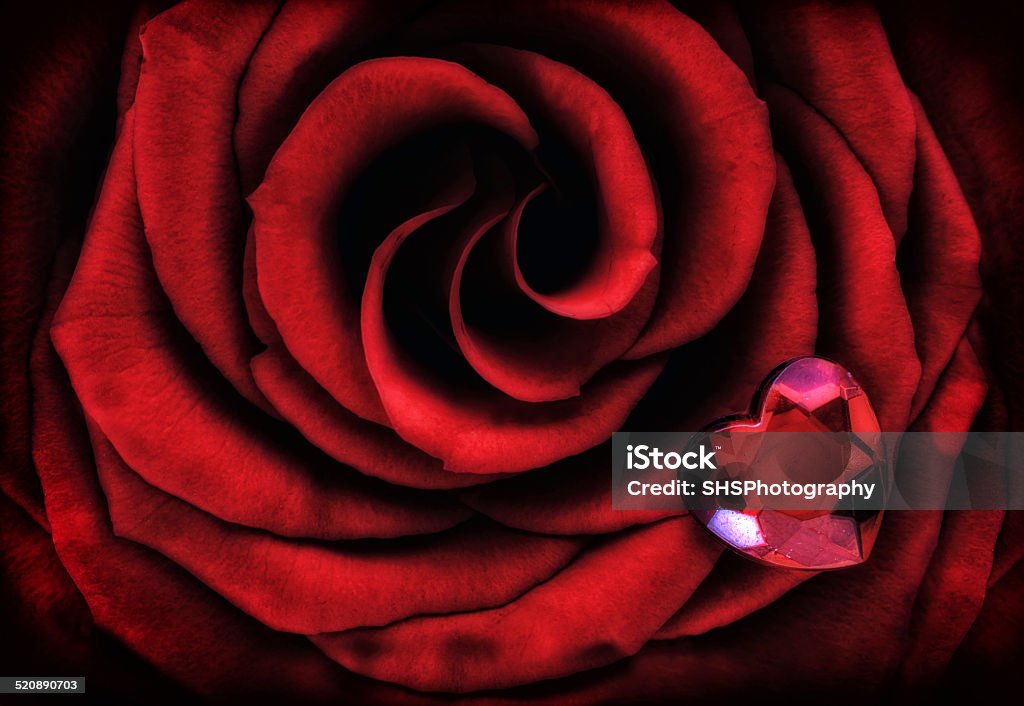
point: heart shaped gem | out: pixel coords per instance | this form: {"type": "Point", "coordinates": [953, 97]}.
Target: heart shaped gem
{"type": "Point", "coordinates": [809, 394]}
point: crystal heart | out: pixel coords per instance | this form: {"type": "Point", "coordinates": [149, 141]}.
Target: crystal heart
{"type": "Point", "coordinates": [809, 394]}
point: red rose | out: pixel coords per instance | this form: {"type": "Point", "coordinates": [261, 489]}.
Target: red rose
{"type": "Point", "coordinates": [312, 396]}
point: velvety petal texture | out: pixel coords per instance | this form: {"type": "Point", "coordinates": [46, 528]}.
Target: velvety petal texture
{"type": "Point", "coordinates": [318, 319]}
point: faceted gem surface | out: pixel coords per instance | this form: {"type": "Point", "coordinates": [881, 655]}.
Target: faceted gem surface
{"type": "Point", "coordinates": [809, 394]}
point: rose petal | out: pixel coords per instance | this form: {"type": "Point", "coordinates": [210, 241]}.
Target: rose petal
{"type": "Point", "coordinates": [960, 70]}
{"type": "Point", "coordinates": [262, 325]}
{"type": "Point", "coordinates": [598, 133]}
{"type": "Point", "coordinates": [734, 589]}
{"type": "Point", "coordinates": [939, 261]}
{"type": "Point", "coordinates": [188, 188]}
{"type": "Point", "coordinates": [837, 58]}
{"type": "Point", "coordinates": [43, 613]}
{"type": "Point", "coordinates": [722, 21]}
{"type": "Point", "coordinates": [131, 59]}
{"type": "Point", "coordinates": [994, 640]}
{"type": "Point", "coordinates": [210, 646]}
{"type": "Point", "coordinates": [572, 496]}
{"type": "Point", "coordinates": [42, 603]}
{"type": "Point", "coordinates": [953, 591]}
{"type": "Point", "coordinates": [372, 449]}
{"type": "Point", "coordinates": [557, 356]}
{"type": "Point", "coordinates": [303, 49]}
{"type": "Point", "coordinates": [775, 320]}
{"type": "Point", "coordinates": [633, 582]}
{"type": "Point", "coordinates": [480, 431]}
{"type": "Point", "coordinates": [307, 587]}
{"type": "Point", "coordinates": [713, 162]}
{"type": "Point", "coordinates": [1009, 548]}
{"type": "Point", "coordinates": [952, 594]}
{"type": "Point", "coordinates": [371, 107]}
{"type": "Point", "coordinates": [147, 389]}
{"type": "Point", "coordinates": [549, 357]}
{"type": "Point", "coordinates": [843, 632]}
{"type": "Point", "coordinates": [860, 299]}
{"type": "Point", "coordinates": [369, 447]}
{"type": "Point", "coordinates": [58, 66]}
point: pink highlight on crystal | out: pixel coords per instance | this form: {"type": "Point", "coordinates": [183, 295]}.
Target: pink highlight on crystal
{"type": "Point", "coordinates": [808, 394]}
